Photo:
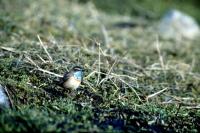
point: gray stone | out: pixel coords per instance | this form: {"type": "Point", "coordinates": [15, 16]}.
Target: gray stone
{"type": "Point", "coordinates": [175, 24]}
{"type": "Point", "coordinates": [4, 99]}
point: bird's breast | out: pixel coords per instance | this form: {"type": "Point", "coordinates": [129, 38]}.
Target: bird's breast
{"type": "Point", "coordinates": [72, 83]}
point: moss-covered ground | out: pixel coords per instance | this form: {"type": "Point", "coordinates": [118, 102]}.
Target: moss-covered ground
{"type": "Point", "coordinates": [134, 80]}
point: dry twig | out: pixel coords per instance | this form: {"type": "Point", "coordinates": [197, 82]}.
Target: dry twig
{"type": "Point", "coordinates": [41, 43]}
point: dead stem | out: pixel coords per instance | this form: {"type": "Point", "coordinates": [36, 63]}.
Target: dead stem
{"type": "Point", "coordinates": [41, 43]}
{"type": "Point", "coordinates": [40, 69]}
{"type": "Point", "coordinates": [156, 93]}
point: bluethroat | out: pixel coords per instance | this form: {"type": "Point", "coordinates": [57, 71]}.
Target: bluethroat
{"type": "Point", "coordinates": [72, 79]}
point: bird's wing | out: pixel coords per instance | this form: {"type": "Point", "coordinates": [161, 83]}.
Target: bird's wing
{"type": "Point", "coordinates": [66, 76]}
{"type": "Point", "coordinates": [63, 79]}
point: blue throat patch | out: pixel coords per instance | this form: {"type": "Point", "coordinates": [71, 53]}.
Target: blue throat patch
{"type": "Point", "coordinates": [78, 75]}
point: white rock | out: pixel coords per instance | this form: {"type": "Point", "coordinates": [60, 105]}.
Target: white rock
{"type": "Point", "coordinates": [4, 100]}
{"type": "Point", "coordinates": [177, 24]}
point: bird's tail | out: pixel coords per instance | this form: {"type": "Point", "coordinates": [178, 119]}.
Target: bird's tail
{"type": "Point", "coordinates": [58, 82]}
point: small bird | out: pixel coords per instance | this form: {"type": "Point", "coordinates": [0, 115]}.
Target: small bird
{"type": "Point", "coordinates": [72, 79]}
